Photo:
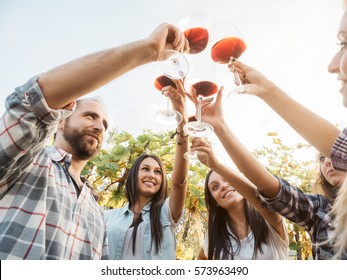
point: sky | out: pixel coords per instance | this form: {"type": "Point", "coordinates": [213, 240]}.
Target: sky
{"type": "Point", "coordinates": [291, 42]}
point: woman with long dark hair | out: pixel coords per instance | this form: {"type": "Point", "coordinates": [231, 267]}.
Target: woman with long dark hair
{"type": "Point", "coordinates": [311, 211]}
{"type": "Point", "coordinates": [144, 227]}
{"type": "Point", "coordinates": [237, 228]}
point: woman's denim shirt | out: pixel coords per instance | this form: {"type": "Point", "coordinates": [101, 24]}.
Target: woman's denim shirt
{"type": "Point", "coordinates": [118, 222]}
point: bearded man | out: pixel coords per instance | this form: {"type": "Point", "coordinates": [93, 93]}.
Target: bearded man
{"type": "Point", "coordinates": [47, 210]}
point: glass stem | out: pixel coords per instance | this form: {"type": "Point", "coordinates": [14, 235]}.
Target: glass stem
{"type": "Point", "coordinates": [199, 111]}
{"type": "Point", "coordinates": [237, 76]}
{"type": "Point", "coordinates": [168, 107]}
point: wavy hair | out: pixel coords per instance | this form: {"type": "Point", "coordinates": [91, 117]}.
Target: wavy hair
{"type": "Point", "coordinates": [337, 196]}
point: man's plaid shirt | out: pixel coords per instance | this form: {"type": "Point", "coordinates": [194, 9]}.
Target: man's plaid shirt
{"type": "Point", "coordinates": [311, 211]}
{"type": "Point", "coordinates": [40, 214]}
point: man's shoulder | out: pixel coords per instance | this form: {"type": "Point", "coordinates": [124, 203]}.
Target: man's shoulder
{"type": "Point", "coordinates": [55, 153]}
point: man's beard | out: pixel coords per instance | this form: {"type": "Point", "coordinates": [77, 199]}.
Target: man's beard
{"type": "Point", "coordinates": [82, 148]}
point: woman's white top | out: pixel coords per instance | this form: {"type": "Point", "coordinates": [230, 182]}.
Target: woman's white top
{"type": "Point", "coordinates": [276, 249]}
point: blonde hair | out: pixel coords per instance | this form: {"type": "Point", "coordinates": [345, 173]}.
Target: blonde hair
{"type": "Point", "coordinates": [339, 211]}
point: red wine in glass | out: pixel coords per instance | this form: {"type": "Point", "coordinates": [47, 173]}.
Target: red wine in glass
{"type": "Point", "coordinates": [221, 53]}
{"type": "Point", "coordinates": [197, 38]}
{"type": "Point", "coordinates": [226, 48]}
{"type": "Point", "coordinates": [168, 116]}
{"type": "Point", "coordinates": [163, 81]}
{"type": "Point", "coordinates": [192, 119]}
{"type": "Point", "coordinates": [205, 88]}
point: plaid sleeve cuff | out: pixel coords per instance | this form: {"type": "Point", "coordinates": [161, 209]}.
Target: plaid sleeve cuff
{"type": "Point", "coordinates": [338, 154]}
{"type": "Point", "coordinates": [31, 94]}
{"type": "Point", "coordinates": [271, 203]}
{"type": "Point", "coordinates": [270, 200]}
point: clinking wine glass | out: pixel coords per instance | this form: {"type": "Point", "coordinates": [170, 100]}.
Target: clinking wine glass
{"type": "Point", "coordinates": [194, 28]}
{"type": "Point", "coordinates": [229, 43]}
{"type": "Point", "coordinates": [173, 64]}
{"type": "Point", "coordinates": [202, 79]}
{"type": "Point", "coordinates": [197, 128]}
{"type": "Point", "coordinates": [168, 116]}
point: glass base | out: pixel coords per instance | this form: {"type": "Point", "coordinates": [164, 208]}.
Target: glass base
{"type": "Point", "coordinates": [193, 155]}
{"type": "Point", "coordinates": [168, 117]}
{"type": "Point", "coordinates": [243, 93]}
{"type": "Point", "coordinates": [198, 129]}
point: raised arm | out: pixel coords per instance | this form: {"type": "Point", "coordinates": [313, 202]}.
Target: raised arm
{"type": "Point", "coordinates": [181, 165]}
{"type": "Point", "coordinates": [67, 82]}
{"type": "Point", "coordinates": [246, 162]}
{"type": "Point", "coordinates": [319, 132]}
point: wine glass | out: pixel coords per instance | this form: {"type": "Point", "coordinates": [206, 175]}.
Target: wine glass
{"type": "Point", "coordinates": [173, 64]}
{"type": "Point", "coordinates": [197, 128]}
{"type": "Point", "coordinates": [229, 43]}
{"type": "Point", "coordinates": [201, 78]}
{"type": "Point", "coordinates": [194, 28]}
{"type": "Point", "coordinates": [168, 116]}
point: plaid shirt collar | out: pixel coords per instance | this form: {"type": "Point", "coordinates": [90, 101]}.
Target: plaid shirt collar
{"type": "Point", "coordinates": [60, 156]}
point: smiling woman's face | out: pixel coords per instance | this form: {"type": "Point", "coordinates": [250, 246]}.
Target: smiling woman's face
{"type": "Point", "coordinates": [150, 177]}
{"type": "Point", "coordinates": [224, 194]}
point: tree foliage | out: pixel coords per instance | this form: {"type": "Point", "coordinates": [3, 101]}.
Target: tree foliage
{"type": "Point", "coordinates": [108, 171]}
{"type": "Point", "coordinates": [281, 160]}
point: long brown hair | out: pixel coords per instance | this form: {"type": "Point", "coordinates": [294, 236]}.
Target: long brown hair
{"type": "Point", "coordinates": [221, 229]}
{"type": "Point", "coordinates": [131, 193]}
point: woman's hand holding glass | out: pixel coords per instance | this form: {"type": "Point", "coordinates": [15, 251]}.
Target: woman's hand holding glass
{"type": "Point", "coordinates": [229, 43]}
{"type": "Point", "coordinates": [249, 75]}
{"type": "Point", "coordinates": [198, 128]}
{"type": "Point", "coordinates": [177, 97]}
{"type": "Point", "coordinates": [211, 112]}
{"type": "Point", "coordinates": [206, 128]}
{"type": "Point", "coordinates": [205, 152]}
